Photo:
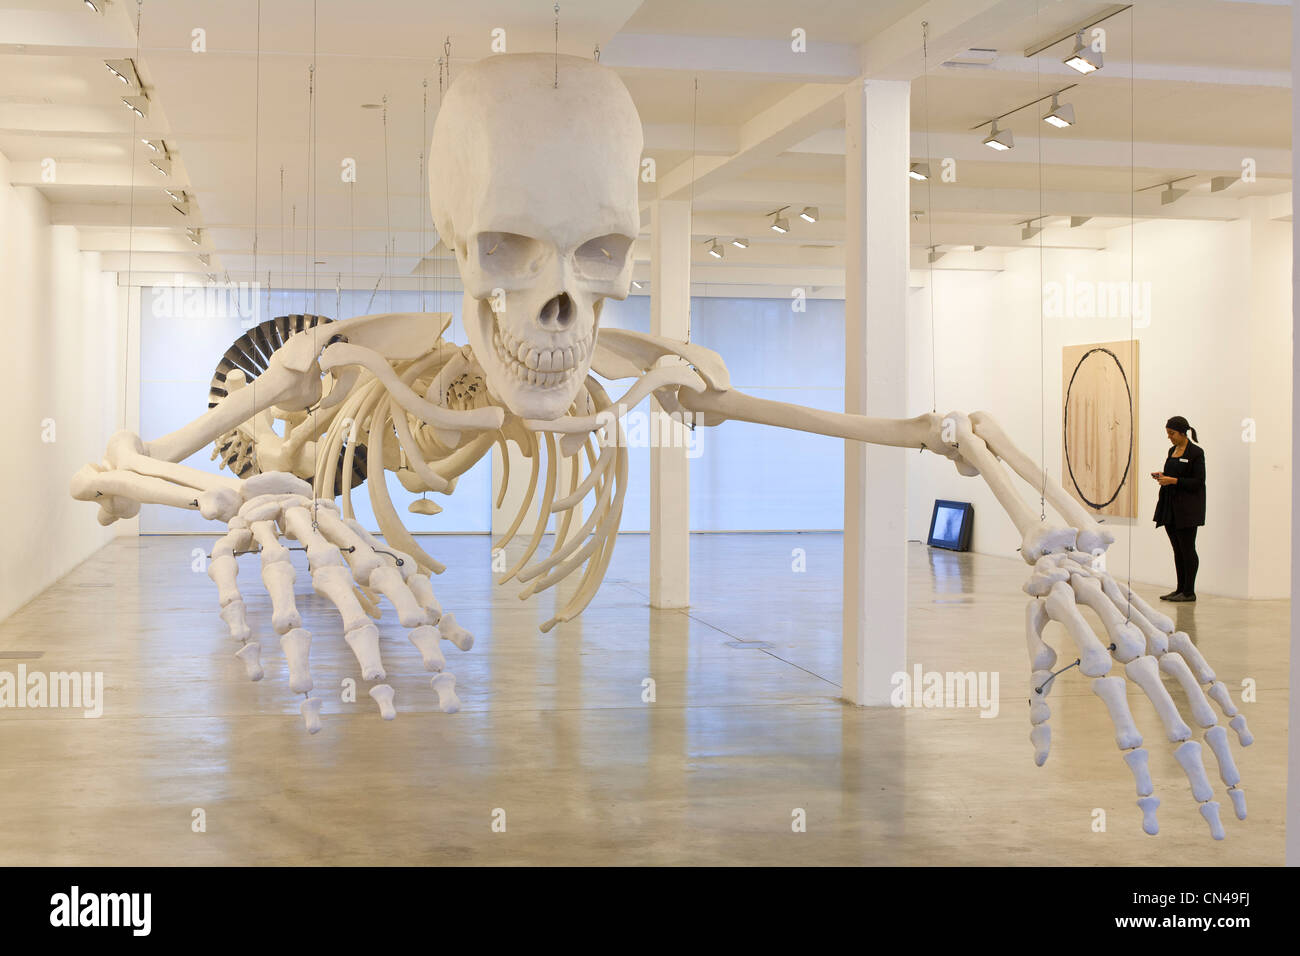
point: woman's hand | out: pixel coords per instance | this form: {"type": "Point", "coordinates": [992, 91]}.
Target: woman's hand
{"type": "Point", "coordinates": [1163, 479]}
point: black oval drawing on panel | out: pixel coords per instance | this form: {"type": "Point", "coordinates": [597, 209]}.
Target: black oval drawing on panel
{"type": "Point", "coordinates": [1065, 427]}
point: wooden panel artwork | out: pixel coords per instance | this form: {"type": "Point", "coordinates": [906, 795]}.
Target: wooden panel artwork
{"type": "Point", "coordinates": [1099, 441]}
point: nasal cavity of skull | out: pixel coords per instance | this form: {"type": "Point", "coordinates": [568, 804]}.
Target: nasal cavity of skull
{"type": "Point", "coordinates": [557, 314]}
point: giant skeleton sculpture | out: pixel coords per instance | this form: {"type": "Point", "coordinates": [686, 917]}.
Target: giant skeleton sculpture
{"type": "Point", "coordinates": [533, 174]}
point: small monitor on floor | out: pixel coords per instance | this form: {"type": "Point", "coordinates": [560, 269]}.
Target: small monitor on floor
{"type": "Point", "coordinates": [950, 525]}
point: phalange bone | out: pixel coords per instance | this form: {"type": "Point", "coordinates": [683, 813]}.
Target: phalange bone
{"type": "Point", "coordinates": [1093, 656]}
{"type": "Point", "coordinates": [1148, 806]}
{"type": "Point", "coordinates": [234, 616]}
{"type": "Point", "coordinates": [222, 569]}
{"type": "Point", "coordinates": [426, 638]}
{"type": "Point", "coordinates": [1041, 737]}
{"type": "Point", "coordinates": [275, 483]}
{"type": "Point", "coordinates": [445, 685]}
{"type": "Point", "coordinates": [232, 542]}
{"type": "Point", "coordinates": [1244, 736]}
{"type": "Point", "coordinates": [310, 710]}
{"type": "Point", "coordinates": [278, 577]}
{"type": "Point", "coordinates": [1138, 763]}
{"type": "Point", "coordinates": [1039, 710]}
{"type": "Point", "coordinates": [1112, 691]}
{"type": "Point", "coordinates": [1189, 756]}
{"type": "Point", "coordinates": [1211, 813]}
{"type": "Point", "coordinates": [388, 581]}
{"type": "Point", "coordinates": [383, 695]}
{"type": "Point", "coordinates": [451, 631]}
{"type": "Point", "coordinates": [1174, 665]}
{"type": "Point", "coordinates": [1181, 643]}
{"type": "Point", "coordinates": [335, 583]}
{"type": "Point", "coordinates": [297, 646]}
{"type": "Point", "coordinates": [362, 558]}
{"type": "Point", "coordinates": [1238, 801]}
{"type": "Point", "coordinates": [1217, 738]}
{"type": "Point", "coordinates": [251, 655]}
{"type": "Point", "coordinates": [1218, 691]}
{"type": "Point", "coordinates": [1145, 672]}
{"type": "Point", "coordinates": [422, 588]}
{"type": "Point", "coordinates": [364, 641]}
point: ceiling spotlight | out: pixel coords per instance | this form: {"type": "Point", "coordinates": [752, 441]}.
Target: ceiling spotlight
{"type": "Point", "coordinates": [999, 139]}
{"type": "Point", "coordinates": [809, 214]}
{"type": "Point", "coordinates": [1077, 221]}
{"type": "Point", "coordinates": [919, 171]}
{"type": "Point", "coordinates": [716, 250]}
{"type": "Point", "coordinates": [1170, 194]}
{"type": "Point", "coordinates": [935, 255]}
{"type": "Point", "coordinates": [780, 223]}
{"type": "Point", "coordinates": [740, 243]}
{"type": "Point", "coordinates": [163, 166]}
{"type": "Point", "coordinates": [182, 204]}
{"type": "Point", "coordinates": [92, 6]}
{"type": "Point", "coordinates": [635, 284]}
{"type": "Point", "coordinates": [194, 235]}
{"type": "Point", "coordinates": [1029, 230]}
{"type": "Point", "coordinates": [174, 196]}
{"type": "Point", "coordinates": [151, 144]}
{"type": "Point", "coordinates": [1083, 58]}
{"type": "Point", "coordinates": [1219, 183]}
{"type": "Point", "coordinates": [121, 69]}
{"type": "Point", "coordinates": [1059, 116]}
{"type": "Point", "coordinates": [139, 105]}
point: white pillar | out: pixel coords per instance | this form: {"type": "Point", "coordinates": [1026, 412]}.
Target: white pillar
{"type": "Point", "coordinates": [1293, 741]}
{"type": "Point", "coordinates": [670, 316]}
{"type": "Point", "coordinates": [875, 383]}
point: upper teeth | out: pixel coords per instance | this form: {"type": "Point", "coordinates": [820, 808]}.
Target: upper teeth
{"type": "Point", "coordinates": [540, 366]}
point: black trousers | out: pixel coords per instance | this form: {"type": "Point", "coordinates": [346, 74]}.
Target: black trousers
{"type": "Point", "coordinates": [1186, 563]}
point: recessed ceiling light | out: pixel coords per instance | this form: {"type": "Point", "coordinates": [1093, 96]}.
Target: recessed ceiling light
{"type": "Point", "coordinates": [1059, 116]}
{"type": "Point", "coordinates": [919, 171]}
{"type": "Point", "coordinates": [999, 139]}
{"type": "Point", "coordinates": [740, 243]}
{"type": "Point", "coordinates": [809, 214]}
{"type": "Point", "coordinates": [1083, 58]}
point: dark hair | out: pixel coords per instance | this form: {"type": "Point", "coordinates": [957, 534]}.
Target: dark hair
{"type": "Point", "coordinates": [1179, 424]}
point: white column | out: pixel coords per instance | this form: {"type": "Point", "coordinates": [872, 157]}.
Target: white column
{"type": "Point", "coordinates": [1293, 742]}
{"type": "Point", "coordinates": [875, 383]}
{"type": "Point", "coordinates": [670, 316]}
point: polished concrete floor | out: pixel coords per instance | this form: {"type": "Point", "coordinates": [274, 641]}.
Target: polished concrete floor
{"type": "Point", "coordinates": [746, 727]}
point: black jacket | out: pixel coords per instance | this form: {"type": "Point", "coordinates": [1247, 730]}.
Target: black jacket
{"type": "Point", "coordinates": [1183, 505]}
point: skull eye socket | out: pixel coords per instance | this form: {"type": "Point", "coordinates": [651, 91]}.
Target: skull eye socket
{"type": "Point", "coordinates": [603, 257]}
{"type": "Point", "coordinates": [509, 253]}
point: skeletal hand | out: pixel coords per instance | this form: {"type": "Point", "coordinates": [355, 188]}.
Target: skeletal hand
{"type": "Point", "coordinates": [348, 565]}
{"type": "Point", "coordinates": [1145, 642]}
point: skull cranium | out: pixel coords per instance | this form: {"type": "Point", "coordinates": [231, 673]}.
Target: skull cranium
{"type": "Point", "coordinates": [533, 183]}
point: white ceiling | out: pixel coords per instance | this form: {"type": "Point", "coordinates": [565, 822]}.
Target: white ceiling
{"type": "Point", "coordinates": [1190, 88]}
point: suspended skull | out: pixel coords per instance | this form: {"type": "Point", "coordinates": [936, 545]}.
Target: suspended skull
{"type": "Point", "coordinates": [533, 182]}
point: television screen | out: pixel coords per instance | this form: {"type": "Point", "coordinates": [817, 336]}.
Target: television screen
{"type": "Point", "coordinates": [950, 525]}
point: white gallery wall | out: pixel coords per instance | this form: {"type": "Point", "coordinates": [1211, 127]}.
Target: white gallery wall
{"type": "Point", "coordinates": [1213, 348]}
{"type": "Point", "coordinates": [62, 391]}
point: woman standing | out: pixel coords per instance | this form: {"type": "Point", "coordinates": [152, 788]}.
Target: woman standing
{"type": "Point", "coordinates": [1180, 509]}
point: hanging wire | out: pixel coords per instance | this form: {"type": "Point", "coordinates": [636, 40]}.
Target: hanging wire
{"type": "Point", "coordinates": [130, 232]}
{"type": "Point", "coordinates": [284, 275]}
{"type": "Point", "coordinates": [557, 46]}
{"type": "Point", "coordinates": [257, 142]}
{"type": "Point", "coordinates": [388, 212]}
{"type": "Point", "coordinates": [690, 205]}
{"type": "Point", "coordinates": [1132, 286]}
{"type": "Point", "coordinates": [424, 190]}
{"type": "Point", "coordinates": [1042, 347]}
{"type": "Point", "coordinates": [315, 339]}
{"type": "Point", "coordinates": [929, 213]}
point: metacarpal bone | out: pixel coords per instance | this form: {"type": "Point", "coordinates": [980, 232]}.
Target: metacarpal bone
{"type": "Point", "coordinates": [422, 588]}
{"type": "Point", "coordinates": [1174, 665]}
{"type": "Point", "coordinates": [1180, 642]}
{"type": "Point", "coordinates": [335, 583]}
{"type": "Point", "coordinates": [388, 582]}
